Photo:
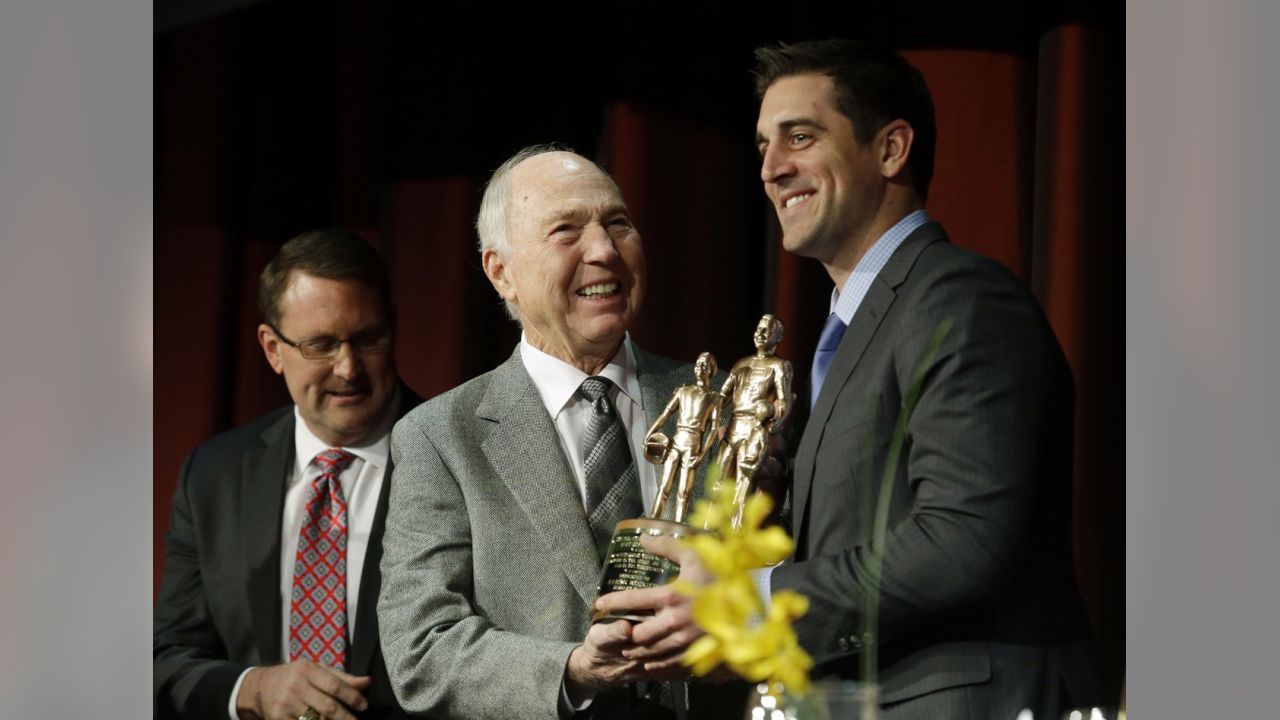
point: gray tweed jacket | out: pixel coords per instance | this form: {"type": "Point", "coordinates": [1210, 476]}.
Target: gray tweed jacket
{"type": "Point", "coordinates": [488, 564]}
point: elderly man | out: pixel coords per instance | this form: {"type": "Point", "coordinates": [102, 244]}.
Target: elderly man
{"type": "Point", "coordinates": [978, 613]}
{"type": "Point", "coordinates": [266, 609]}
{"type": "Point", "coordinates": [508, 487]}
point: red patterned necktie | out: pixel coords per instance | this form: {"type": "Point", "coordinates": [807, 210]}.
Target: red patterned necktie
{"type": "Point", "coordinates": [318, 608]}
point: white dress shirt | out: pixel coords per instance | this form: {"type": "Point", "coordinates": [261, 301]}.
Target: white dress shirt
{"type": "Point", "coordinates": [557, 383]}
{"type": "Point", "coordinates": [361, 483]}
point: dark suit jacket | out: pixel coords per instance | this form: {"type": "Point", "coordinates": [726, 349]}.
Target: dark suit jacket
{"type": "Point", "coordinates": [219, 610]}
{"type": "Point", "coordinates": [979, 615]}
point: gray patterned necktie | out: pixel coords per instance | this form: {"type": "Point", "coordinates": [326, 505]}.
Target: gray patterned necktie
{"type": "Point", "coordinates": [613, 486]}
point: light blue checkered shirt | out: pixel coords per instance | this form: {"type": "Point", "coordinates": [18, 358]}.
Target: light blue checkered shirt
{"type": "Point", "coordinates": [845, 302]}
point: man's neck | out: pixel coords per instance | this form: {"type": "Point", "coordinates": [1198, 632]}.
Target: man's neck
{"type": "Point", "coordinates": [590, 361]}
{"type": "Point", "coordinates": [891, 213]}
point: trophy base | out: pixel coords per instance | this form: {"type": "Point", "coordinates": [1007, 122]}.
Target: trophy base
{"type": "Point", "coordinates": [628, 566]}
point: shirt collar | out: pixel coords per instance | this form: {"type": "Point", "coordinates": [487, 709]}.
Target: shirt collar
{"type": "Point", "coordinates": [846, 299]}
{"type": "Point", "coordinates": [557, 381]}
{"type": "Point", "coordinates": [375, 453]}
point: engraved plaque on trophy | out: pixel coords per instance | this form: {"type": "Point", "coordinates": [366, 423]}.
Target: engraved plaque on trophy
{"type": "Point", "coordinates": [757, 393]}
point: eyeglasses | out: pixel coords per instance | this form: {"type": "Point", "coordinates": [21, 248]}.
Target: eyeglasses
{"type": "Point", "coordinates": [374, 342]}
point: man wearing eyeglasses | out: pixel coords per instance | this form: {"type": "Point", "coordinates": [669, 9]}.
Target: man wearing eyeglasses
{"type": "Point", "coordinates": [271, 579]}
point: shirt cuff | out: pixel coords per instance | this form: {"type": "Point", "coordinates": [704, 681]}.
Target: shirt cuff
{"type": "Point", "coordinates": [567, 708]}
{"type": "Point", "coordinates": [235, 692]}
{"type": "Point", "coordinates": [764, 589]}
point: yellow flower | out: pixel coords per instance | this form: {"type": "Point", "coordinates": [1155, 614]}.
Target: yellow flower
{"type": "Point", "coordinates": [756, 645]}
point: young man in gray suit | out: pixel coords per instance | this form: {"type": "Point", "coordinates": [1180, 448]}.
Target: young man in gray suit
{"type": "Point", "coordinates": [979, 615]}
{"type": "Point", "coordinates": [507, 488]}
{"type": "Point", "coordinates": [266, 609]}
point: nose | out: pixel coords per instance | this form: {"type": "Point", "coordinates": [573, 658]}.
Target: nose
{"type": "Point", "coordinates": [776, 164]}
{"type": "Point", "coordinates": [600, 248]}
{"type": "Point", "coordinates": [348, 364]}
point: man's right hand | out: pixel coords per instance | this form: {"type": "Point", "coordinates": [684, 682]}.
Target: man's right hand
{"type": "Point", "coordinates": [598, 662]}
{"type": "Point", "coordinates": [284, 692]}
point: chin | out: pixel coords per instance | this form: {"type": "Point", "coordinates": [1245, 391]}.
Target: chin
{"type": "Point", "coordinates": [799, 244]}
{"type": "Point", "coordinates": [606, 331]}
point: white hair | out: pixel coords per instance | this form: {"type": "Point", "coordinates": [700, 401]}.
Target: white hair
{"type": "Point", "coordinates": [491, 222]}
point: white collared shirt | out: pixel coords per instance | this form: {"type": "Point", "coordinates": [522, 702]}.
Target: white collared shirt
{"type": "Point", "coordinates": [557, 383]}
{"type": "Point", "coordinates": [361, 483]}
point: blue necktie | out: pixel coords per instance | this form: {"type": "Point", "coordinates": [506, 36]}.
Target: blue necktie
{"type": "Point", "coordinates": [832, 331]}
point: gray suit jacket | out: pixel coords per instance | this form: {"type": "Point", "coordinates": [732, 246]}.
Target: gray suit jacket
{"type": "Point", "coordinates": [979, 612]}
{"type": "Point", "coordinates": [488, 566]}
{"type": "Point", "coordinates": [219, 608]}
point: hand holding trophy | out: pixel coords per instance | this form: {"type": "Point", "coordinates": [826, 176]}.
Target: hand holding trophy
{"type": "Point", "coordinates": [759, 392]}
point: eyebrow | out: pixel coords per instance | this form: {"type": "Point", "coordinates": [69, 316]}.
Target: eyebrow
{"type": "Point", "coordinates": [579, 211]}
{"type": "Point", "coordinates": [789, 125]}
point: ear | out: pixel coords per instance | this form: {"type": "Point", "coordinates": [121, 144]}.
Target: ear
{"type": "Point", "coordinates": [271, 347]}
{"type": "Point", "coordinates": [495, 268]}
{"type": "Point", "coordinates": [896, 139]}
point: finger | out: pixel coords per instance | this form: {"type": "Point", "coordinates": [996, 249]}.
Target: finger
{"type": "Point", "coordinates": [668, 631]}
{"type": "Point", "coordinates": [636, 599]}
{"type": "Point", "coordinates": [358, 682]}
{"type": "Point", "coordinates": [666, 546]}
{"type": "Point", "coordinates": [330, 682]}
{"type": "Point", "coordinates": [609, 636]}
{"type": "Point", "coordinates": [328, 706]}
{"type": "Point", "coordinates": [667, 667]}
{"type": "Point", "coordinates": [691, 567]}
{"type": "Point", "coordinates": [661, 644]}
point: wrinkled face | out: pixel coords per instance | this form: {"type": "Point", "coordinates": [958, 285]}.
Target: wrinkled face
{"type": "Point", "coordinates": [343, 399]}
{"type": "Point", "coordinates": [576, 265]}
{"type": "Point", "coordinates": [824, 186]}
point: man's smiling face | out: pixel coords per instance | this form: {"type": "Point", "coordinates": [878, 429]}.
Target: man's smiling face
{"type": "Point", "coordinates": [343, 400]}
{"type": "Point", "coordinates": [824, 186]}
{"type": "Point", "coordinates": [576, 265]}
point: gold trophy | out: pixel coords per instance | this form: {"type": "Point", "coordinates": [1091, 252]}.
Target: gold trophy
{"type": "Point", "coordinates": [697, 412]}
{"type": "Point", "coordinates": [758, 391]}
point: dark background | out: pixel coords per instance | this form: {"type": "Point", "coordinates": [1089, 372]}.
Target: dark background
{"type": "Point", "coordinates": [272, 118]}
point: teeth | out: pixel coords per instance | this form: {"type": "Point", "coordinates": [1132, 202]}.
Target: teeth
{"type": "Point", "coordinates": [599, 289]}
{"type": "Point", "coordinates": [797, 198]}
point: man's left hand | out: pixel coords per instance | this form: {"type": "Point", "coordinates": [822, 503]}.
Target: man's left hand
{"type": "Point", "coordinates": [660, 641]}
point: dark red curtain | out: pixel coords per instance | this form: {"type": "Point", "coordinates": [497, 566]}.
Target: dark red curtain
{"type": "Point", "coordinates": [283, 117]}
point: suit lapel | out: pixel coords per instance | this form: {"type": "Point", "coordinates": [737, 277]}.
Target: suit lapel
{"type": "Point", "coordinates": [526, 455]}
{"type": "Point", "coordinates": [366, 637]}
{"type": "Point", "coordinates": [659, 379]}
{"type": "Point", "coordinates": [866, 321]}
{"type": "Point", "coordinates": [263, 472]}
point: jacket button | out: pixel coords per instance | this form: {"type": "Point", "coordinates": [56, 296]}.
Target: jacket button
{"type": "Point", "coordinates": [843, 644]}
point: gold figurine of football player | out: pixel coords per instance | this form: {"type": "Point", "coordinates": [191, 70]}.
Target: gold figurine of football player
{"type": "Point", "coordinates": [697, 412]}
{"type": "Point", "coordinates": [759, 392]}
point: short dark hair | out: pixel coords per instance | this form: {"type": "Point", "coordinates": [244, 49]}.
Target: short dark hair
{"type": "Point", "coordinates": [873, 86]}
{"type": "Point", "coordinates": [333, 253]}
